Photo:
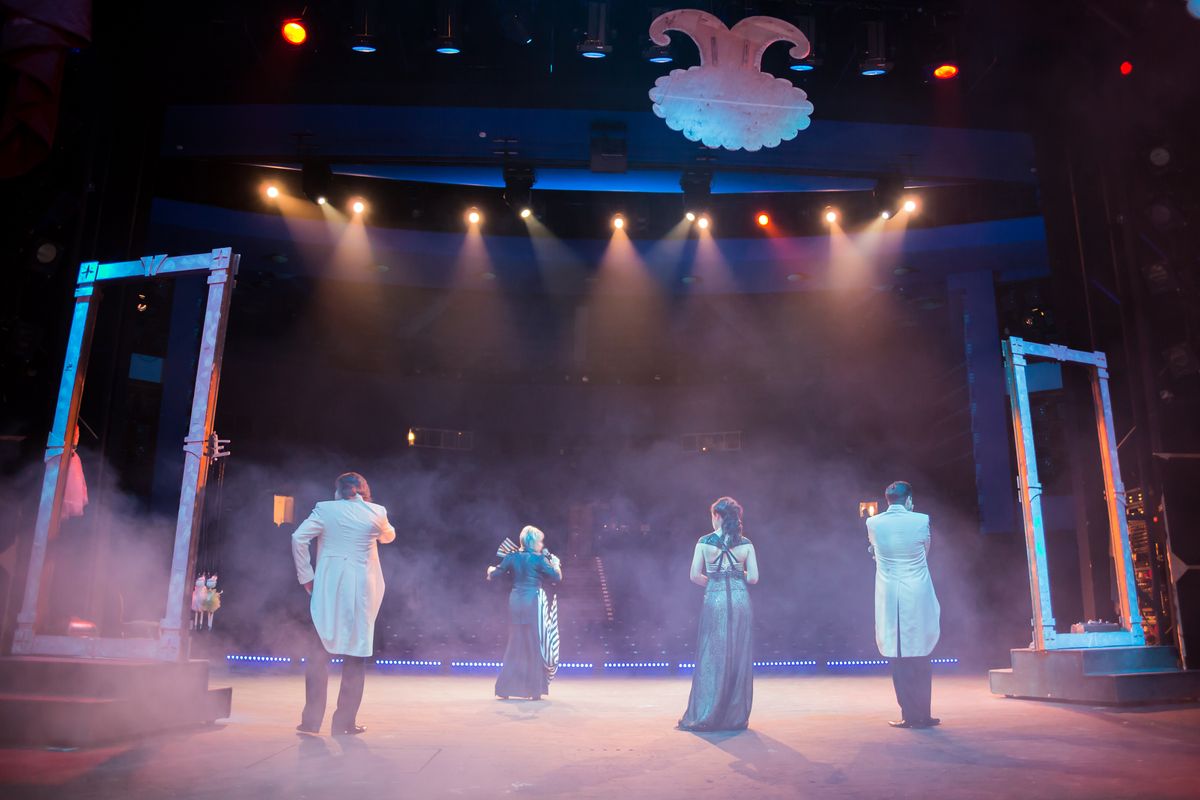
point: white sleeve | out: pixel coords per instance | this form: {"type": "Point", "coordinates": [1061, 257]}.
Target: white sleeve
{"type": "Point", "coordinates": [310, 529]}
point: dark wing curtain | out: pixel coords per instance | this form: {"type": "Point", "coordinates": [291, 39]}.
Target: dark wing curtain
{"type": "Point", "coordinates": [36, 37]}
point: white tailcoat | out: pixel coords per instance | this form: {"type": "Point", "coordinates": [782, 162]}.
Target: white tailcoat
{"type": "Point", "coordinates": [907, 614]}
{"type": "Point", "coordinates": [348, 582]}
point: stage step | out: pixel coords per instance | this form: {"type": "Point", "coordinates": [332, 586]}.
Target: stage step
{"type": "Point", "coordinates": [1107, 676]}
{"type": "Point", "coordinates": [67, 702]}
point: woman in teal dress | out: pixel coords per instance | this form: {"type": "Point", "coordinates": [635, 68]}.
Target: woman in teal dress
{"type": "Point", "coordinates": [524, 672]}
{"type": "Point", "coordinates": [724, 563]}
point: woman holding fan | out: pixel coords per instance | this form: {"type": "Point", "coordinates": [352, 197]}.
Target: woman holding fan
{"type": "Point", "coordinates": [526, 672]}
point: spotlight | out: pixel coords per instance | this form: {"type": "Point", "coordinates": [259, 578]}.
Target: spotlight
{"type": "Point", "coordinates": [272, 191]}
{"type": "Point", "coordinates": [658, 54]}
{"type": "Point", "coordinates": [447, 33]}
{"type": "Point", "coordinates": [875, 60]}
{"type": "Point", "coordinates": [321, 200]}
{"type": "Point", "coordinates": [316, 180]}
{"type": "Point", "coordinates": [1126, 67]}
{"type": "Point", "coordinates": [763, 219]}
{"type": "Point", "coordinates": [807, 26]}
{"type": "Point", "coordinates": [910, 206]}
{"type": "Point", "coordinates": [885, 215]}
{"type": "Point", "coordinates": [595, 41]}
{"type": "Point", "coordinates": [358, 206]}
{"type": "Point", "coordinates": [618, 222]}
{"type": "Point", "coordinates": [944, 72]}
{"type": "Point", "coordinates": [518, 189]}
{"type": "Point", "coordinates": [697, 189]}
{"type": "Point", "coordinates": [294, 32]}
{"type": "Point", "coordinates": [703, 222]}
{"type": "Point", "coordinates": [831, 215]}
{"type": "Point", "coordinates": [473, 216]}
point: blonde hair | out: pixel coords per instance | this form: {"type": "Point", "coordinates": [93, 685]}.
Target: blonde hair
{"type": "Point", "coordinates": [529, 535]}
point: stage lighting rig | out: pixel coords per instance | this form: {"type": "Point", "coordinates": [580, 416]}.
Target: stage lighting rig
{"type": "Point", "coordinates": [518, 189]}
{"type": "Point", "coordinates": [875, 61]}
{"type": "Point", "coordinates": [807, 26]}
{"type": "Point", "coordinates": [294, 31]}
{"type": "Point", "coordinates": [448, 43]}
{"type": "Point", "coordinates": [316, 181]}
{"type": "Point", "coordinates": [595, 43]}
{"type": "Point", "coordinates": [697, 192]}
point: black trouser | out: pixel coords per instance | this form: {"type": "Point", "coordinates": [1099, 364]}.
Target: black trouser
{"type": "Point", "coordinates": [913, 679]}
{"type": "Point", "coordinates": [316, 688]}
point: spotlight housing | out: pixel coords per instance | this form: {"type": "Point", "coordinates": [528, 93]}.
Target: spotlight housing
{"type": "Point", "coordinates": [945, 71]}
{"type": "Point", "coordinates": [658, 54]}
{"type": "Point", "coordinates": [294, 32]}
{"type": "Point", "coordinates": [358, 206]}
{"type": "Point", "coordinates": [690, 216]}
{"type": "Point", "coordinates": [618, 221]}
{"type": "Point", "coordinates": [526, 213]}
{"type": "Point", "coordinates": [316, 180]}
{"type": "Point", "coordinates": [703, 222]}
{"type": "Point", "coordinates": [473, 216]}
{"type": "Point", "coordinates": [321, 200]}
{"type": "Point", "coordinates": [447, 28]}
{"type": "Point", "coordinates": [875, 61]}
{"type": "Point", "coordinates": [831, 215]}
{"type": "Point", "coordinates": [763, 219]}
{"type": "Point", "coordinates": [272, 191]}
{"type": "Point", "coordinates": [595, 40]}
{"type": "Point", "coordinates": [885, 215]}
{"type": "Point", "coordinates": [910, 206]}
{"type": "Point", "coordinates": [807, 26]}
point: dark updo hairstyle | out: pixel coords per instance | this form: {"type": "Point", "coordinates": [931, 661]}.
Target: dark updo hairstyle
{"type": "Point", "coordinates": [350, 485]}
{"type": "Point", "coordinates": [729, 511]}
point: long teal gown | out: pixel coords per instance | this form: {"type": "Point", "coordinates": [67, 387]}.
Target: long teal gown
{"type": "Point", "coordinates": [524, 671]}
{"type": "Point", "coordinates": [723, 681]}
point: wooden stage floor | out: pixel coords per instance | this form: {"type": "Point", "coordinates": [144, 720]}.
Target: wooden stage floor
{"type": "Point", "coordinates": [434, 736]}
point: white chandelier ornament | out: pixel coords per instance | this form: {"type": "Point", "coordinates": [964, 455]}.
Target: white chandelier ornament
{"type": "Point", "coordinates": [728, 101]}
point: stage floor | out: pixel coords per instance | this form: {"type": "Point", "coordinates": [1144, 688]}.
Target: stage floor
{"type": "Point", "coordinates": [614, 737]}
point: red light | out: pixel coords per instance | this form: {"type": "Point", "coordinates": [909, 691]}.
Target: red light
{"type": "Point", "coordinates": [763, 219]}
{"type": "Point", "coordinates": [945, 72]}
{"type": "Point", "coordinates": [1126, 67]}
{"type": "Point", "coordinates": [294, 32]}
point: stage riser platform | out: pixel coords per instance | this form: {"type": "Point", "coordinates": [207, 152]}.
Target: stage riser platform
{"type": "Point", "coordinates": [1106, 676]}
{"type": "Point", "coordinates": [68, 702]}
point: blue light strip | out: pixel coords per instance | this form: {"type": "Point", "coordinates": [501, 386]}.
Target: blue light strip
{"type": "Point", "coordinates": [648, 665]}
{"type": "Point", "coordinates": [636, 664]}
{"type": "Point", "coordinates": [492, 664]}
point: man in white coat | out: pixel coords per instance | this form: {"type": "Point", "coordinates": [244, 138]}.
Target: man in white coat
{"type": "Point", "coordinates": [907, 614]}
{"type": "Point", "coordinates": [347, 590]}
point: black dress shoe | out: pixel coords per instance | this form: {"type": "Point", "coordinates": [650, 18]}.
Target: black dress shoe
{"type": "Point", "coordinates": [927, 723]}
{"type": "Point", "coordinates": [305, 729]}
{"type": "Point", "coordinates": [357, 729]}
{"type": "Point", "coordinates": [900, 723]}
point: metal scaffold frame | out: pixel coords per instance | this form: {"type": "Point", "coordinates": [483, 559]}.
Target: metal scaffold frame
{"type": "Point", "coordinates": [200, 448]}
{"type": "Point", "coordinates": [1045, 635]}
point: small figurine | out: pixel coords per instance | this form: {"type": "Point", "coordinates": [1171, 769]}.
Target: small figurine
{"type": "Point", "coordinates": [212, 599]}
{"type": "Point", "coordinates": [199, 592]}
